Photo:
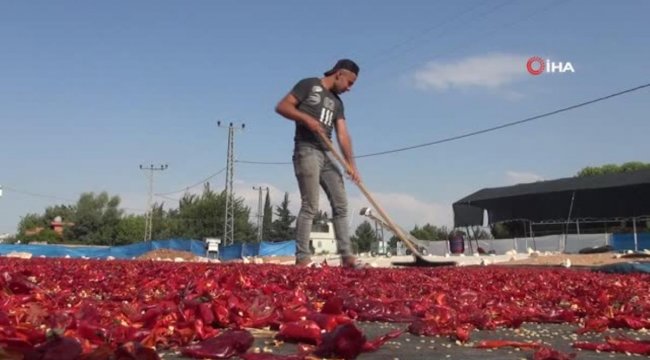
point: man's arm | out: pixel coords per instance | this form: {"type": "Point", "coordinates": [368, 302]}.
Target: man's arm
{"type": "Point", "coordinates": [345, 142]}
{"type": "Point", "coordinates": [288, 107]}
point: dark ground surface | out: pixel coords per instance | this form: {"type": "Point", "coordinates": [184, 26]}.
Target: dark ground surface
{"type": "Point", "coordinates": [408, 346]}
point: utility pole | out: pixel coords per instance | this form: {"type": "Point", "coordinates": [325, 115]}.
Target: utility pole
{"type": "Point", "coordinates": [148, 216]}
{"type": "Point", "coordinates": [229, 221]}
{"type": "Point", "coordinates": [260, 211]}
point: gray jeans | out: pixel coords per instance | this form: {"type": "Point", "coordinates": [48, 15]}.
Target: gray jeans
{"type": "Point", "coordinates": [314, 168]}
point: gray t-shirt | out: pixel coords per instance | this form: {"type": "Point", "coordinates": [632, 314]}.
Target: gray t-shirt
{"type": "Point", "coordinates": [320, 103]}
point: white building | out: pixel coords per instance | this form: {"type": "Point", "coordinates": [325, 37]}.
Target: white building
{"type": "Point", "coordinates": [4, 237]}
{"type": "Point", "coordinates": [324, 242]}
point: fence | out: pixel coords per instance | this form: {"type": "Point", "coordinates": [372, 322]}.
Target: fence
{"type": "Point", "coordinates": [557, 243]}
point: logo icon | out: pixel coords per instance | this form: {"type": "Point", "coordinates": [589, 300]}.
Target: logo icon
{"type": "Point", "coordinates": [537, 66]}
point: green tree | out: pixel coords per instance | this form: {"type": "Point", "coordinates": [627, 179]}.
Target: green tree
{"type": "Point", "coordinates": [66, 212]}
{"type": "Point", "coordinates": [282, 229]}
{"type": "Point", "coordinates": [48, 236]}
{"type": "Point", "coordinates": [477, 233]}
{"type": "Point", "coordinates": [613, 168]}
{"type": "Point", "coordinates": [430, 232]}
{"type": "Point", "coordinates": [31, 221]}
{"type": "Point", "coordinates": [320, 221]}
{"type": "Point", "coordinates": [95, 219]}
{"type": "Point", "coordinates": [501, 230]}
{"type": "Point", "coordinates": [363, 238]}
{"type": "Point", "coordinates": [201, 216]}
{"type": "Point", "coordinates": [129, 230]}
{"type": "Point", "coordinates": [392, 243]}
{"type": "Point", "coordinates": [267, 220]}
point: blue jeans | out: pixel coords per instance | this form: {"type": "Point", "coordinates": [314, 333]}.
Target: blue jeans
{"type": "Point", "coordinates": [315, 168]}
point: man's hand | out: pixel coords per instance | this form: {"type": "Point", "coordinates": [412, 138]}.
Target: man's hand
{"type": "Point", "coordinates": [353, 173]}
{"type": "Point", "coordinates": [288, 107]}
{"type": "Point", "coordinates": [314, 126]}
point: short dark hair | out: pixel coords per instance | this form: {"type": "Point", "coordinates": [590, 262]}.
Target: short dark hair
{"type": "Point", "coordinates": [344, 64]}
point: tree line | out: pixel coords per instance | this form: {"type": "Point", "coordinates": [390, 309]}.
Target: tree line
{"type": "Point", "coordinates": [98, 219]}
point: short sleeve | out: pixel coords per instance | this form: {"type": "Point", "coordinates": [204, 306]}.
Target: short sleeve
{"type": "Point", "coordinates": [301, 89]}
{"type": "Point", "coordinates": [341, 114]}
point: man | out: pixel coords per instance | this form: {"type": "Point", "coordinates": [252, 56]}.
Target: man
{"type": "Point", "coordinates": [315, 106]}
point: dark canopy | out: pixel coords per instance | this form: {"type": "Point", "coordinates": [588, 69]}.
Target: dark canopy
{"type": "Point", "coordinates": [622, 195]}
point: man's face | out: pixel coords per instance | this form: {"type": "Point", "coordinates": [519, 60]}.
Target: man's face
{"type": "Point", "coordinates": [343, 81]}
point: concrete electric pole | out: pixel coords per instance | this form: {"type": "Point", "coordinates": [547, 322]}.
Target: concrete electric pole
{"type": "Point", "coordinates": [260, 211]}
{"type": "Point", "coordinates": [148, 217]}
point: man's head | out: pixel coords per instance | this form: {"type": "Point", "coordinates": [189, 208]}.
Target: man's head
{"type": "Point", "coordinates": [343, 75]}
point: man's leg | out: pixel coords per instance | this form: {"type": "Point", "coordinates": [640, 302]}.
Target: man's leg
{"type": "Point", "coordinates": [332, 182]}
{"type": "Point", "coordinates": [307, 166]}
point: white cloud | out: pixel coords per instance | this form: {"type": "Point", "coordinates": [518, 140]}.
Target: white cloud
{"type": "Point", "coordinates": [515, 177]}
{"type": "Point", "coordinates": [491, 71]}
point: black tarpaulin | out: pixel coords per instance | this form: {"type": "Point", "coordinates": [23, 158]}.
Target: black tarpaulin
{"type": "Point", "coordinates": [622, 195]}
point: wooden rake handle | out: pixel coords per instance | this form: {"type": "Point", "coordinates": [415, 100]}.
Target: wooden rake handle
{"type": "Point", "coordinates": [394, 228]}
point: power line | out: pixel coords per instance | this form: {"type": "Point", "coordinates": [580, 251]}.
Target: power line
{"type": "Point", "coordinates": [443, 32]}
{"type": "Point", "coordinates": [384, 52]}
{"type": "Point", "coordinates": [502, 126]}
{"type": "Point", "coordinates": [477, 39]}
{"type": "Point", "coordinates": [478, 132]}
{"type": "Point", "coordinates": [191, 186]}
{"type": "Point", "coordinates": [167, 197]}
{"type": "Point", "coordinates": [44, 196]}
{"type": "Point", "coordinates": [11, 189]}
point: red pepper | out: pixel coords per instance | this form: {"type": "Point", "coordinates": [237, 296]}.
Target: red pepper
{"type": "Point", "coordinates": [495, 344]}
{"type": "Point", "coordinates": [346, 341]}
{"type": "Point", "coordinates": [617, 344]}
{"type": "Point", "coordinates": [267, 356]}
{"type": "Point", "coordinates": [547, 353]}
{"type": "Point", "coordinates": [300, 331]}
{"type": "Point", "coordinates": [375, 344]}
{"type": "Point", "coordinates": [223, 346]}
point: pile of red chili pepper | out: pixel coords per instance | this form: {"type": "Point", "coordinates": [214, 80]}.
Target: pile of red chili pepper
{"type": "Point", "coordinates": [92, 309]}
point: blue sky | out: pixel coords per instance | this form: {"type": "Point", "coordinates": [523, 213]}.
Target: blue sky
{"type": "Point", "coordinates": [89, 90]}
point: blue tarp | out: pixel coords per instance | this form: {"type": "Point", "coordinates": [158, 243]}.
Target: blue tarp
{"type": "Point", "coordinates": [119, 252]}
{"type": "Point", "coordinates": [284, 248]}
{"type": "Point", "coordinates": [626, 241]}
{"type": "Point", "coordinates": [238, 251]}
{"type": "Point", "coordinates": [250, 249]}
{"type": "Point", "coordinates": [625, 268]}
{"type": "Point", "coordinates": [230, 252]}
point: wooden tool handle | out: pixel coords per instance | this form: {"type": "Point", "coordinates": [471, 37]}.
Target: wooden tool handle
{"type": "Point", "coordinates": [394, 228]}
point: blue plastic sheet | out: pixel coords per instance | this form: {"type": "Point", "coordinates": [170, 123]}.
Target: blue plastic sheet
{"type": "Point", "coordinates": [119, 252]}
{"type": "Point", "coordinates": [231, 252]}
{"type": "Point", "coordinates": [626, 241]}
{"type": "Point", "coordinates": [284, 248]}
{"type": "Point", "coordinates": [625, 268]}
{"type": "Point", "coordinates": [238, 251]}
